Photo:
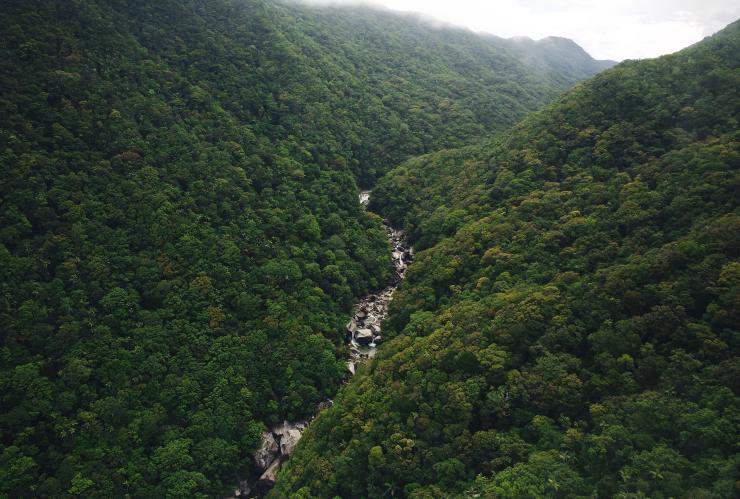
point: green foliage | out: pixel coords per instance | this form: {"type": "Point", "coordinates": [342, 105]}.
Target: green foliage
{"type": "Point", "coordinates": [569, 325]}
{"type": "Point", "coordinates": [180, 238]}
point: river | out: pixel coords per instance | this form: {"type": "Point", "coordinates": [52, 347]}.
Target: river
{"type": "Point", "coordinates": [363, 337]}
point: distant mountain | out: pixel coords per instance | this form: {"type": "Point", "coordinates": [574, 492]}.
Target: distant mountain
{"type": "Point", "coordinates": [557, 58]}
{"type": "Point", "coordinates": [463, 85]}
{"type": "Point", "coordinates": [569, 326]}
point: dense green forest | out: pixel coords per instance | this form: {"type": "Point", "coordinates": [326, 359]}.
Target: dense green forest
{"type": "Point", "coordinates": [180, 238]}
{"type": "Point", "coordinates": [569, 327]}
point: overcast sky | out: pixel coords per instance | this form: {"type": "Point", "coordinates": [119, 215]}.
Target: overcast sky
{"type": "Point", "coordinates": [607, 29]}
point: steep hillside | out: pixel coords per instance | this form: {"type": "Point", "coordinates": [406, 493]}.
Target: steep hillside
{"type": "Point", "coordinates": [411, 88]}
{"type": "Point", "coordinates": [167, 287]}
{"type": "Point", "coordinates": [569, 328]}
{"type": "Point", "coordinates": [180, 239]}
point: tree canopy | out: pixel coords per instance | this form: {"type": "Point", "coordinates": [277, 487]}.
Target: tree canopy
{"type": "Point", "coordinates": [180, 238]}
{"type": "Point", "coordinates": [569, 327]}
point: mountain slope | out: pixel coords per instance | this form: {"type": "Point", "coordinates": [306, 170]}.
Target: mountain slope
{"type": "Point", "coordinates": [556, 58]}
{"type": "Point", "coordinates": [569, 327]}
{"type": "Point", "coordinates": [167, 286]}
{"type": "Point", "coordinates": [180, 238]}
{"type": "Point", "coordinates": [415, 88]}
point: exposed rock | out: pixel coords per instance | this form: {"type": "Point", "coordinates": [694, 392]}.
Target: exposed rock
{"type": "Point", "coordinates": [289, 440]}
{"type": "Point", "coordinates": [351, 368]}
{"type": "Point", "coordinates": [325, 404]}
{"type": "Point", "coordinates": [243, 489]}
{"type": "Point", "coordinates": [364, 336]}
{"type": "Point", "coordinates": [371, 310]}
{"type": "Point", "coordinates": [364, 198]}
{"type": "Point", "coordinates": [288, 435]}
{"type": "Point", "coordinates": [267, 479]}
{"type": "Point", "coordinates": [351, 326]}
{"type": "Point", "coordinates": [268, 452]}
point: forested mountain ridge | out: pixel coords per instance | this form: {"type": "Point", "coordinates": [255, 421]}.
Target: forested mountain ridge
{"type": "Point", "coordinates": [167, 287]}
{"type": "Point", "coordinates": [569, 327]}
{"type": "Point", "coordinates": [180, 238]}
{"type": "Point", "coordinates": [557, 58]}
{"type": "Point", "coordinates": [417, 87]}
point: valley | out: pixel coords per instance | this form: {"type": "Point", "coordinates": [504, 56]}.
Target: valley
{"type": "Point", "coordinates": [363, 337]}
{"type": "Point", "coordinates": [199, 292]}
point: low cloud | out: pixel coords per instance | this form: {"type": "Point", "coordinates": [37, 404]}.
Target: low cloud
{"type": "Point", "coordinates": [619, 29]}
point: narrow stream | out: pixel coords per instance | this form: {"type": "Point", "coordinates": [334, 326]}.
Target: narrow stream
{"type": "Point", "coordinates": [363, 329]}
{"type": "Point", "coordinates": [363, 337]}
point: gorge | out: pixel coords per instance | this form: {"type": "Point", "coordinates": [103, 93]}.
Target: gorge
{"type": "Point", "coordinates": [188, 281]}
{"type": "Point", "coordinates": [363, 337]}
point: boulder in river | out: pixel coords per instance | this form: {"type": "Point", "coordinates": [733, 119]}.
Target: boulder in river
{"type": "Point", "coordinates": [267, 479]}
{"type": "Point", "coordinates": [242, 490]}
{"type": "Point", "coordinates": [268, 451]}
{"type": "Point", "coordinates": [288, 435]}
{"type": "Point", "coordinates": [289, 440]}
{"type": "Point", "coordinates": [364, 336]}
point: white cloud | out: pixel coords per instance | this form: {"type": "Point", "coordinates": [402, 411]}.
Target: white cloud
{"type": "Point", "coordinates": [607, 29]}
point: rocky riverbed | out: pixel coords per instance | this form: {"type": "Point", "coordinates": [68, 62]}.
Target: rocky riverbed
{"type": "Point", "coordinates": [363, 329]}
{"type": "Point", "coordinates": [363, 336]}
